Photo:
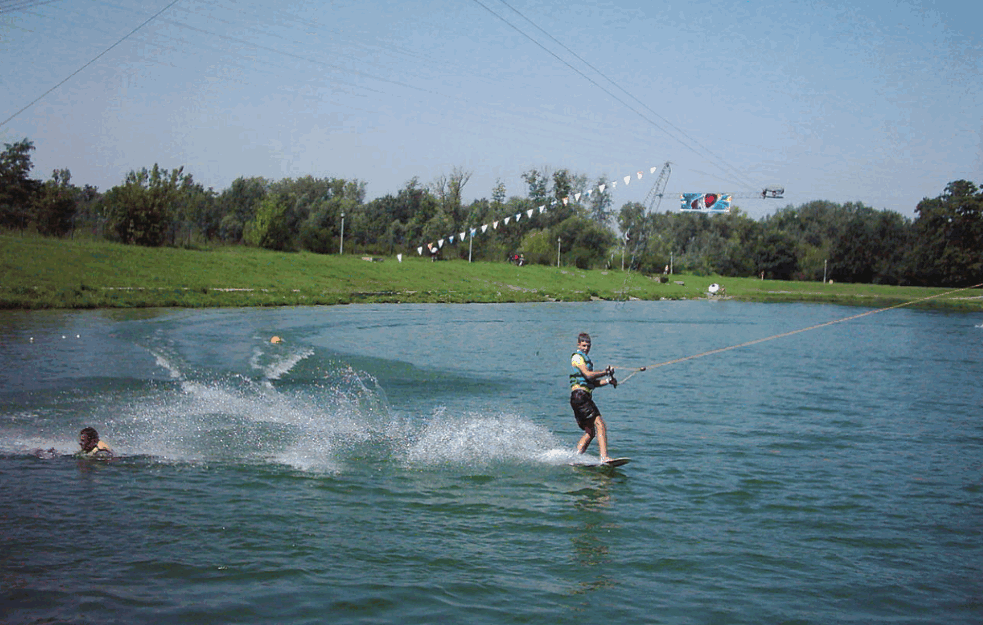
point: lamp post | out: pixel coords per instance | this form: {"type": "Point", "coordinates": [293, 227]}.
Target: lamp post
{"type": "Point", "coordinates": [557, 251]}
{"type": "Point", "coordinates": [342, 233]}
{"type": "Point", "coordinates": [624, 244]}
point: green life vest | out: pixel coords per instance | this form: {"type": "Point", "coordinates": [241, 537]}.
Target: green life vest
{"type": "Point", "coordinates": [576, 377]}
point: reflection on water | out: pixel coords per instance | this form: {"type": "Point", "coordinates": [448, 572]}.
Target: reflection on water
{"type": "Point", "coordinates": [591, 549]}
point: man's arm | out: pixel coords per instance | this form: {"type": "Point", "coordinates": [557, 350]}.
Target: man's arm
{"type": "Point", "coordinates": [593, 376]}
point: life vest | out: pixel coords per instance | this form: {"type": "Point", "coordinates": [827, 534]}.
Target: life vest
{"type": "Point", "coordinates": [577, 379]}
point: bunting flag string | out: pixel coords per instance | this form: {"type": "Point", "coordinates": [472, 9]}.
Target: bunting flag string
{"type": "Point", "coordinates": [612, 184]}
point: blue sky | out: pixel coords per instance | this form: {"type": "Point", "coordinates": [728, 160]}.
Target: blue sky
{"type": "Point", "coordinates": [880, 103]}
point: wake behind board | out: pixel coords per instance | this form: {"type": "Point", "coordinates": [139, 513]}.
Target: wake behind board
{"type": "Point", "coordinates": [613, 462]}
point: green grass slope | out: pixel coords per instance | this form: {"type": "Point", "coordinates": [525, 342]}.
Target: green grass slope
{"type": "Point", "coordinates": [54, 273]}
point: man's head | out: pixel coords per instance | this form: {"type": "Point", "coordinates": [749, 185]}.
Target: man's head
{"type": "Point", "coordinates": [583, 342]}
{"type": "Point", "coordinates": [88, 439]}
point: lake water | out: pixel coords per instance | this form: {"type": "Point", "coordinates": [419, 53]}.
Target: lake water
{"type": "Point", "coordinates": [411, 464]}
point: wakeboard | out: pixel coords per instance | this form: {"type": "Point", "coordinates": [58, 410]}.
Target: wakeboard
{"type": "Point", "coordinates": [613, 462]}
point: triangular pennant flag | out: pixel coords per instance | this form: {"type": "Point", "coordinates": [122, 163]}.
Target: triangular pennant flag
{"type": "Point", "coordinates": [450, 239]}
{"type": "Point", "coordinates": [627, 179]}
{"type": "Point", "coordinates": [542, 208]}
{"type": "Point", "coordinates": [399, 257]}
{"type": "Point", "coordinates": [566, 201]}
{"type": "Point", "coordinates": [494, 225]}
{"type": "Point", "coordinates": [419, 250]}
{"type": "Point", "coordinates": [614, 184]}
{"type": "Point", "coordinates": [440, 243]}
{"type": "Point", "coordinates": [529, 213]}
{"type": "Point", "coordinates": [639, 174]}
{"type": "Point", "coordinates": [484, 228]}
{"type": "Point", "coordinates": [473, 231]}
{"type": "Point", "coordinates": [464, 235]}
{"type": "Point", "coordinates": [507, 220]}
{"type": "Point", "coordinates": [589, 191]}
{"type": "Point", "coordinates": [652, 170]}
{"type": "Point", "coordinates": [576, 197]}
{"type": "Point", "coordinates": [601, 188]}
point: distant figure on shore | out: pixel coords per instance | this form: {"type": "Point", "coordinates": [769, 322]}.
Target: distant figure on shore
{"type": "Point", "coordinates": [92, 447]}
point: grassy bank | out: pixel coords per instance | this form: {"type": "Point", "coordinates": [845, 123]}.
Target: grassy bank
{"type": "Point", "coordinates": [52, 273]}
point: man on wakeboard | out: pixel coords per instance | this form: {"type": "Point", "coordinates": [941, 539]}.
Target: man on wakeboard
{"type": "Point", "coordinates": [583, 380]}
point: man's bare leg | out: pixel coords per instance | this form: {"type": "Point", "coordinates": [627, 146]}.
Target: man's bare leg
{"type": "Point", "coordinates": [602, 438]}
{"type": "Point", "coordinates": [584, 442]}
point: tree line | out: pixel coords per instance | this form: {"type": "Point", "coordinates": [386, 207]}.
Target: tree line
{"type": "Point", "coordinates": [941, 246]}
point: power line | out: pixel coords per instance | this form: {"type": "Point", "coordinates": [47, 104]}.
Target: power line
{"type": "Point", "coordinates": [19, 5]}
{"type": "Point", "coordinates": [707, 153]}
{"type": "Point", "coordinates": [97, 57]}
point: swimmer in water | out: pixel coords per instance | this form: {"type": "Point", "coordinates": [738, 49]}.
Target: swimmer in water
{"type": "Point", "coordinates": [91, 445]}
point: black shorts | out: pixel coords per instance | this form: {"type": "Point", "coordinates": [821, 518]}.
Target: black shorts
{"type": "Point", "coordinates": [584, 409]}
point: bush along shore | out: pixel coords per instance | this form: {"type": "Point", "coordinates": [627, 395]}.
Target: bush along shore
{"type": "Point", "coordinates": [39, 273]}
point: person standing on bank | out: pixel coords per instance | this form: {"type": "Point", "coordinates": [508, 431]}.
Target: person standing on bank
{"type": "Point", "coordinates": [583, 380]}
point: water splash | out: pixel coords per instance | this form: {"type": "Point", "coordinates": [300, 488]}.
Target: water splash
{"type": "Point", "coordinates": [293, 406]}
{"type": "Point", "coordinates": [276, 364]}
{"type": "Point", "coordinates": [267, 417]}
{"type": "Point", "coordinates": [478, 439]}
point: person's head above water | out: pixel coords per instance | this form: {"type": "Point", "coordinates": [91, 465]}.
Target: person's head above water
{"type": "Point", "coordinates": [88, 439]}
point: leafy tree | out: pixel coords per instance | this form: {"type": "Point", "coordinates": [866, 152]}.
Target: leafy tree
{"type": "Point", "coordinates": [774, 255]}
{"type": "Point", "coordinates": [448, 191]}
{"type": "Point", "coordinates": [90, 212]}
{"type": "Point", "coordinates": [600, 202]}
{"type": "Point", "coordinates": [235, 207]}
{"type": "Point", "coordinates": [142, 209]}
{"type": "Point", "coordinates": [56, 204]}
{"type": "Point", "coordinates": [17, 189]}
{"type": "Point", "coordinates": [948, 237]}
{"type": "Point", "coordinates": [498, 193]}
{"type": "Point", "coordinates": [538, 183]}
{"type": "Point", "coordinates": [192, 215]}
{"type": "Point", "coordinates": [269, 228]}
{"type": "Point", "coordinates": [631, 218]}
{"type": "Point", "coordinates": [583, 242]}
{"type": "Point", "coordinates": [871, 247]}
